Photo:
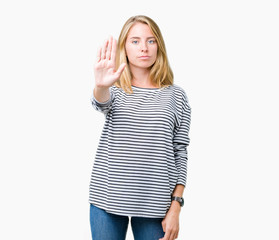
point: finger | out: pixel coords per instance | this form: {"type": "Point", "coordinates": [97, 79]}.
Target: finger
{"type": "Point", "coordinates": [164, 226]}
{"type": "Point", "coordinates": [99, 54]}
{"type": "Point", "coordinates": [113, 50]}
{"type": "Point", "coordinates": [167, 236]}
{"type": "Point", "coordinates": [104, 49]}
{"type": "Point", "coordinates": [108, 53]}
{"type": "Point", "coordinates": [172, 235]}
{"type": "Point", "coordinates": [120, 70]}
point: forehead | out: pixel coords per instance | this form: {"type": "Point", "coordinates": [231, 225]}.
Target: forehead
{"type": "Point", "coordinates": [140, 30]}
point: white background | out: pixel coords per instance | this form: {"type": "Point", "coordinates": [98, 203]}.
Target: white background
{"type": "Point", "coordinates": [224, 54]}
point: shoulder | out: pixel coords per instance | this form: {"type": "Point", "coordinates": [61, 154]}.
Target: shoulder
{"type": "Point", "coordinates": [181, 95]}
{"type": "Point", "coordinates": [114, 89]}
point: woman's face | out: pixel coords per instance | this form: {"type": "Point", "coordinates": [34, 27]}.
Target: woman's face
{"type": "Point", "coordinates": [141, 46]}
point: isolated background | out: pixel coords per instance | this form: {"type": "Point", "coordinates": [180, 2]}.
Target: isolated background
{"type": "Point", "coordinates": [223, 53]}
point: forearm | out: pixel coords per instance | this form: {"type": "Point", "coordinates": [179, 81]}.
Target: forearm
{"type": "Point", "coordinates": [178, 190]}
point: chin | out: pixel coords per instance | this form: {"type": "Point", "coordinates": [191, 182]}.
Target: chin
{"type": "Point", "coordinates": [144, 65]}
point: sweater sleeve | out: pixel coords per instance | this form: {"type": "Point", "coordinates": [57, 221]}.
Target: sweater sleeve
{"type": "Point", "coordinates": [181, 140]}
{"type": "Point", "coordinates": [103, 107]}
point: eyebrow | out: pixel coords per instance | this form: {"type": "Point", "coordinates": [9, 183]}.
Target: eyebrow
{"type": "Point", "coordinates": [139, 37]}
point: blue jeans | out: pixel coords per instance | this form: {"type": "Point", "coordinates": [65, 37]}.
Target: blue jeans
{"type": "Point", "coordinates": [108, 226]}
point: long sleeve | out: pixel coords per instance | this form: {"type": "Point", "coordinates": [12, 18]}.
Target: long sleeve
{"type": "Point", "coordinates": [181, 140]}
{"type": "Point", "coordinates": [105, 106]}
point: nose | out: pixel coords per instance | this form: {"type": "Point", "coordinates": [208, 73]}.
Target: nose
{"type": "Point", "coordinates": [144, 47]}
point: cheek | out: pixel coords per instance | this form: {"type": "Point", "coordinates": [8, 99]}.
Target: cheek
{"type": "Point", "coordinates": [129, 51]}
{"type": "Point", "coordinates": [155, 51]}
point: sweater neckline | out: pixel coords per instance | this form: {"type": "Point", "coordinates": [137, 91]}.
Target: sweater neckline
{"type": "Point", "coordinates": [150, 89]}
{"type": "Point", "coordinates": [145, 88]}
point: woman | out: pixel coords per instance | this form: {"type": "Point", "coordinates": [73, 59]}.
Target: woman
{"type": "Point", "coordinates": [141, 160]}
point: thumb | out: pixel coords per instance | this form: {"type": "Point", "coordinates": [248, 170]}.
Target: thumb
{"type": "Point", "coordinates": [120, 70]}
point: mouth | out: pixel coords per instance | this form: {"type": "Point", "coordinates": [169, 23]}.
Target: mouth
{"type": "Point", "coordinates": [144, 57]}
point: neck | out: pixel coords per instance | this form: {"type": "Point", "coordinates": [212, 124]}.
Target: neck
{"type": "Point", "coordinates": [140, 76]}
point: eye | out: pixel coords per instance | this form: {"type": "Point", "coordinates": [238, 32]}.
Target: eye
{"type": "Point", "coordinates": [134, 41]}
{"type": "Point", "coordinates": [151, 41]}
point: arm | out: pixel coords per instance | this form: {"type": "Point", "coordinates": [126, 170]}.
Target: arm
{"type": "Point", "coordinates": [102, 99]}
{"type": "Point", "coordinates": [181, 141]}
{"type": "Point", "coordinates": [105, 76]}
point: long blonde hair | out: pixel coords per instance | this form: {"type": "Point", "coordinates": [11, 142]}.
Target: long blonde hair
{"type": "Point", "coordinates": [160, 73]}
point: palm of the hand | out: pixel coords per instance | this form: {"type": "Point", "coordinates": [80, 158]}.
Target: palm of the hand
{"type": "Point", "coordinates": [104, 69]}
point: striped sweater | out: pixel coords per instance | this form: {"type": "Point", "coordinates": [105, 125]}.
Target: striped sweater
{"type": "Point", "coordinates": [142, 150]}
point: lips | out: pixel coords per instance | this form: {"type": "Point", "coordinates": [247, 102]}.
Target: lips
{"type": "Point", "coordinates": [144, 57]}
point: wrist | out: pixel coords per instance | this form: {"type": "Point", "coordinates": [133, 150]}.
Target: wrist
{"type": "Point", "coordinates": [175, 206]}
{"type": "Point", "coordinates": [177, 199]}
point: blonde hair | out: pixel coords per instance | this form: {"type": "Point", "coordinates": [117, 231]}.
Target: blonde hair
{"type": "Point", "coordinates": [160, 73]}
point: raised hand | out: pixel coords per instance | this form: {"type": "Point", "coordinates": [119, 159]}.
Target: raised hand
{"type": "Point", "coordinates": [104, 68]}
